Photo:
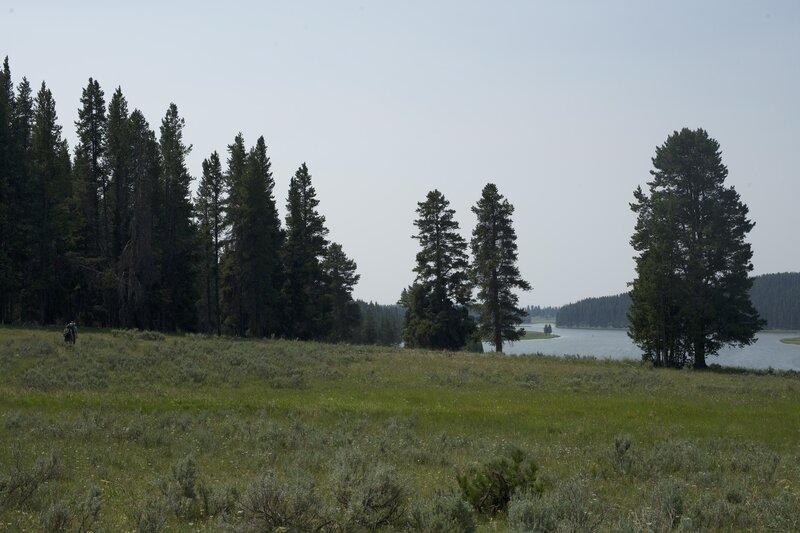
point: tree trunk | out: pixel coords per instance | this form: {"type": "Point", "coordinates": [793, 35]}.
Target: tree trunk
{"type": "Point", "coordinates": [700, 353]}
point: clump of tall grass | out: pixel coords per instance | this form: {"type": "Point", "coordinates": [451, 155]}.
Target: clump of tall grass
{"type": "Point", "coordinates": [137, 335]}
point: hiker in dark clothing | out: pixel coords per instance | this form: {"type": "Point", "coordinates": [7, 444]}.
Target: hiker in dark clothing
{"type": "Point", "coordinates": [71, 332]}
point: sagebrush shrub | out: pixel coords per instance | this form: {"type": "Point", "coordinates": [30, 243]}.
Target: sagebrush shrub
{"type": "Point", "coordinates": [57, 518]}
{"type": "Point", "coordinates": [151, 515]}
{"type": "Point", "coordinates": [489, 488]}
{"type": "Point", "coordinates": [370, 494]}
{"type": "Point", "coordinates": [271, 505]}
{"type": "Point", "coordinates": [570, 506]}
{"type": "Point", "coordinates": [446, 512]}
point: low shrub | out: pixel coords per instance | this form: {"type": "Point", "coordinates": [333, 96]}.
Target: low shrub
{"type": "Point", "coordinates": [269, 505]}
{"type": "Point", "coordinates": [446, 512]}
{"type": "Point", "coordinates": [151, 515]}
{"type": "Point", "coordinates": [489, 488]}
{"type": "Point", "coordinates": [56, 518]}
{"type": "Point", "coordinates": [571, 506]}
{"type": "Point", "coordinates": [20, 484]}
{"type": "Point", "coordinates": [370, 494]}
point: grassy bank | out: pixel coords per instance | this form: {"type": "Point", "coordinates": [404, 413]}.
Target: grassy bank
{"type": "Point", "coordinates": [536, 335]}
{"type": "Point", "coordinates": [791, 340]}
{"type": "Point", "coordinates": [195, 433]}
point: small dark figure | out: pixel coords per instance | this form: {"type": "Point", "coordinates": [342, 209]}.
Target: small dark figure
{"type": "Point", "coordinates": [71, 332]}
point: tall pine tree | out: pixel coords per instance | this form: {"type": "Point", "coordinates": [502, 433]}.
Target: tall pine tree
{"type": "Point", "coordinates": [305, 246]}
{"type": "Point", "coordinates": [691, 292]}
{"type": "Point", "coordinates": [232, 293]}
{"type": "Point", "coordinates": [115, 201]}
{"type": "Point", "coordinates": [210, 212]}
{"type": "Point", "coordinates": [436, 304]}
{"type": "Point", "coordinates": [50, 284]}
{"type": "Point", "coordinates": [260, 245]}
{"type": "Point", "coordinates": [177, 232]}
{"type": "Point", "coordinates": [494, 270]}
{"type": "Point", "coordinates": [137, 266]}
{"type": "Point", "coordinates": [343, 314]}
{"type": "Point", "coordinates": [89, 183]}
{"type": "Point", "coordinates": [7, 275]}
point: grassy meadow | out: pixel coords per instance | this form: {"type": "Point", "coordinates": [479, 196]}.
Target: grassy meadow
{"type": "Point", "coordinates": [137, 431]}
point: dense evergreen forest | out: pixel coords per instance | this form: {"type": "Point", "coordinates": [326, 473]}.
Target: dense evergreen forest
{"type": "Point", "coordinates": [535, 311]}
{"type": "Point", "coordinates": [776, 297]}
{"type": "Point", "coordinates": [602, 312]}
{"type": "Point", "coordinates": [109, 234]}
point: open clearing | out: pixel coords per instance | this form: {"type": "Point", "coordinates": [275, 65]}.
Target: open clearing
{"type": "Point", "coordinates": [181, 432]}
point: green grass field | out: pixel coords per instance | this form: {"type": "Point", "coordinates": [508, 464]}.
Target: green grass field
{"type": "Point", "coordinates": [140, 432]}
{"type": "Point", "coordinates": [791, 340]}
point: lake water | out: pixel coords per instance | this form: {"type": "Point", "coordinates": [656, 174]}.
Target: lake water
{"type": "Point", "coordinates": [767, 352]}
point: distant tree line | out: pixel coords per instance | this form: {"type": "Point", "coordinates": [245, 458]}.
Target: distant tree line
{"type": "Point", "coordinates": [110, 235]}
{"type": "Point", "coordinates": [776, 297]}
{"type": "Point", "coordinates": [602, 312]}
{"type": "Point", "coordinates": [533, 311]}
{"type": "Point", "coordinates": [380, 324]}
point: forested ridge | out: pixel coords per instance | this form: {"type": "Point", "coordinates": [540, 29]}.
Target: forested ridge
{"type": "Point", "coordinates": [776, 297]}
{"type": "Point", "coordinates": [109, 234]}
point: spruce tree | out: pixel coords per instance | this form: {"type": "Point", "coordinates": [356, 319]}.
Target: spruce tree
{"type": "Point", "coordinates": [115, 201]}
{"type": "Point", "coordinates": [51, 283]}
{"type": "Point", "coordinates": [340, 278]}
{"type": "Point", "coordinates": [260, 243]}
{"type": "Point", "coordinates": [436, 304]}
{"type": "Point", "coordinates": [690, 297]}
{"type": "Point", "coordinates": [210, 212]}
{"type": "Point", "coordinates": [89, 183]}
{"type": "Point", "coordinates": [21, 209]}
{"type": "Point", "coordinates": [138, 268]}
{"type": "Point", "coordinates": [176, 230]}
{"type": "Point", "coordinates": [232, 260]}
{"type": "Point", "coordinates": [7, 275]}
{"type": "Point", "coordinates": [304, 248]}
{"type": "Point", "coordinates": [494, 270]}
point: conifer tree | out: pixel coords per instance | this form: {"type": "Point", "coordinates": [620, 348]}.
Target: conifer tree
{"type": "Point", "coordinates": [115, 201]}
{"type": "Point", "coordinates": [340, 277]}
{"type": "Point", "coordinates": [50, 280]}
{"type": "Point", "coordinates": [494, 270]}
{"type": "Point", "coordinates": [260, 244]}
{"type": "Point", "coordinates": [137, 266]}
{"type": "Point", "coordinates": [210, 212]}
{"type": "Point", "coordinates": [7, 274]}
{"type": "Point", "coordinates": [436, 304]}
{"type": "Point", "coordinates": [21, 209]}
{"type": "Point", "coordinates": [89, 182]}
{"type": "Point", "coordinates": [232, 261]}
{"type": "Point", "coordinates": [305, 246]}
{"type": "Point", "coordinates": [177, 232]}
{"type": "Point", "coordinates": [690, 296]}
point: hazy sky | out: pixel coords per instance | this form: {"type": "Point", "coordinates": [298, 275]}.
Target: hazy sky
{"type": "Point", "coordinates": [561, 104]}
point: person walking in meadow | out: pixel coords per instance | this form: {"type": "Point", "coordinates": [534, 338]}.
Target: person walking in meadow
{"type": "Point", "coordinates": [71, 332]}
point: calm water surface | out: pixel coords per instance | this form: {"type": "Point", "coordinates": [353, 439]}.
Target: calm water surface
{"type": "Point", "coordinates": [767, 352]}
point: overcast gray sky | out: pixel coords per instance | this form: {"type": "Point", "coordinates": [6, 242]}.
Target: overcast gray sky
{"type": "Point", "coordinates": [561, 104]}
